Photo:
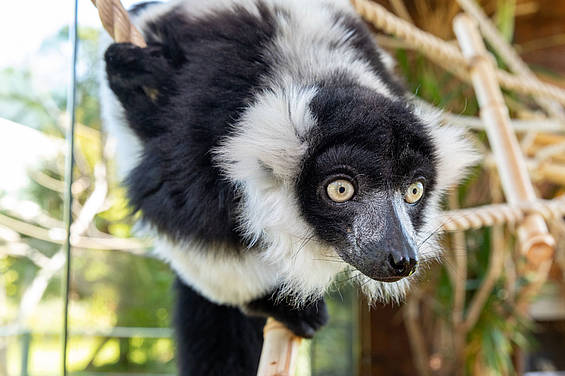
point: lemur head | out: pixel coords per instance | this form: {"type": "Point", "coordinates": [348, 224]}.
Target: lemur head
{"type": "Point", "coordinates": [338, 171]}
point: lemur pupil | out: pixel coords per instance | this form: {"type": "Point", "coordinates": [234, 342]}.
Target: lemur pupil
{"type": "Point", "coordinates": [414, 191]}
{"type": "Point", "coordinates": [341, 190]}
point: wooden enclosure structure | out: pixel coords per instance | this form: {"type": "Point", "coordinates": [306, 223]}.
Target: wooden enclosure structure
{"type": "Point", "coordinates": [472, 63]}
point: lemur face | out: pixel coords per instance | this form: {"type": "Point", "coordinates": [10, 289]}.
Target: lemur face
{"type": "Point", "coordinates": [367, 179]}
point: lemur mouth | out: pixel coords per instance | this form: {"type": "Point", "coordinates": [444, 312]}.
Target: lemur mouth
{"type": "Point", "coordinates": [387, 279]}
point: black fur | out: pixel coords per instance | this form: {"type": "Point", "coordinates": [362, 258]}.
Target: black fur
{"type": "Point", "coordinates": [214, 340]}
{"type": "Point", "coordinates": [136, 9]}
{"type": "Point", "coordinates": [364, 43]}
{"type": "Point", "coordinates": [205, 72]}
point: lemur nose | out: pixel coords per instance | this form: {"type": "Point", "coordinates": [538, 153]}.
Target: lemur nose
{"type": "Point", "coordinates": [403, 266]}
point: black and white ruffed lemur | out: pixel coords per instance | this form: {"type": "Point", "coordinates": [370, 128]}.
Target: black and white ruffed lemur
{"type": "Point", "coordinates": [269, 148]}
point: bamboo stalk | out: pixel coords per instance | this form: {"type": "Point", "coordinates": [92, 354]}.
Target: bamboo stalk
{"type": "Point", "coordinates": [280, 350]}
{"type": "Point", "coordinates": [536, 242]}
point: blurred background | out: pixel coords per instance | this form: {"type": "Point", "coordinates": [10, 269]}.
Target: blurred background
{"type": "Point", "coordinates": [120, 296]}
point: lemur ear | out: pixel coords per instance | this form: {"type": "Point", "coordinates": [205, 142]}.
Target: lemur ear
{"type": "Point", "coordinates": [142, 79]}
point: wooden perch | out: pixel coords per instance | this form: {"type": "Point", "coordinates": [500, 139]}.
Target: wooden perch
{"type": "Point", "coordinates": [536, 242]}
{"type": "Point", "coordinates": [280, 349]}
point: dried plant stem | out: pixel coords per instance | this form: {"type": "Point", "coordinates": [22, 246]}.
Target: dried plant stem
{"type": "Point", "coordinates": [460, 257]}
{"type": "Point", "coordinates": [496, 261]}
{"type": "Point", "coordinates": [400, 8]}
{"type": "Point", "coordinates": [417, 341]}
{"type": "Point", "coordinates": [538, 278]}
{"type": "Point", "coordinates": [495, 266]}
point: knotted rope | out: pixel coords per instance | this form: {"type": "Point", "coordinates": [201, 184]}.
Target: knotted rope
{"type": "Point", "coordinates": [446, 54]}
{"type": "Point", "coordinates": [499, 214]}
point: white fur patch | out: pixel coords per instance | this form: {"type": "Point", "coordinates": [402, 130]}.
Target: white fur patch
{"type": "Point", "coordinates": [219, 274]}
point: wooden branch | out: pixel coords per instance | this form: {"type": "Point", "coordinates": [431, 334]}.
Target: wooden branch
{"type": "Point", "coordinates": [280, 349]}
{"type": "Point", "coordinates": [32, 296]}
{"type": "Point", "coordinates": [445, 54]}
{"type": "Point", "coordinates": [21, 249]}
{"type": "Point", "coordinates": [536, 242]}
{"type": "Point", "coordinates": [56, 236]}
{"type": "Point", "coordinates": [94, 203]}
{"type": "Point", "coordinates": [531, 124]}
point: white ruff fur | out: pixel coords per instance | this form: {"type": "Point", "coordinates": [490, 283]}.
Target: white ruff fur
{"type": "Point", "coordinates": [263, 158]}
{"type": "Point", "coordinates": [218, 274]}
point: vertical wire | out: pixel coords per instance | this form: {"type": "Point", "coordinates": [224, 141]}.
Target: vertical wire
{"type": "Point", "coordinates": [69, 164]}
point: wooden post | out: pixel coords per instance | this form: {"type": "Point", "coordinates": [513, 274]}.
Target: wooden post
{"type": "Point", "coordinates": [280, 349]}
{"type": "Point", "coordinates": [536, 242]}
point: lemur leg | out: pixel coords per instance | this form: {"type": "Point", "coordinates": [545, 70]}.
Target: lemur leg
{"type": "Point", "coordinates": [303, 321]}
{"type": "Point", "coordinates": [215, 340]}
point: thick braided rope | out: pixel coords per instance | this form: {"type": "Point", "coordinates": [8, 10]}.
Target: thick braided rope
{"type": "Point", "coordinates": [117, 23]}
{"type": "Point", "coordinates": [442, 52]}
{"type": "Point", "coordinates": [488, 215]}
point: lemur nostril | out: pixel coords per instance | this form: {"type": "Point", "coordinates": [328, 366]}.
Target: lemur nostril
{"type": "Point", "coordinates": [403, 267]}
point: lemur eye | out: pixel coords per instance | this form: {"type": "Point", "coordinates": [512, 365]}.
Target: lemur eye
{"type": "Point", "coordinates": [340, 190]}
{"type": "Point", "coordinates": [414, 192]}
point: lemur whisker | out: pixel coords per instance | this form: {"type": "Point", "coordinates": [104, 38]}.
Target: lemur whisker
{"type": "Point", "coordinates": [328, 260]}
{"type": "Point", "coordinates": [347, 280]}
{"type": "Point", "coordinates": [369, 280]}
{"type": "Point", "coordinates": [435, 231]}
{"type": "Point", "coordinates": [303, 245]}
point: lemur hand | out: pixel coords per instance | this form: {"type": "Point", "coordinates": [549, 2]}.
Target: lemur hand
{"type": "Point", "coordinates": [303, 321]}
